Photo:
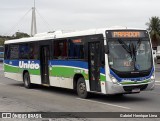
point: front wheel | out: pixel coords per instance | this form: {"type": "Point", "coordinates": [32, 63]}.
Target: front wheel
{"type": "Point", "coordinates": [81, 88]}
{"type": "Point", "coordinates": [26, 81]}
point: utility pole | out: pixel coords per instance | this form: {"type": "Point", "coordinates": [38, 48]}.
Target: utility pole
{"type": "Point", "coordinates": [33, 22]}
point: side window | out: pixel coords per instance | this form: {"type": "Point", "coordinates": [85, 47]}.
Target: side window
{"type": "Point", "coordinates": [14, 54]}
{"type": "Point", "coordinates": [60, 49]}
{"type": "Point", "coordinates": [33, 51]}
{"type": "Point", "coordinates": [24, 51]}
{"type": "Point", "coordinates": [76, 49]}
{"type": "Point", "coordinates": [7, 52]}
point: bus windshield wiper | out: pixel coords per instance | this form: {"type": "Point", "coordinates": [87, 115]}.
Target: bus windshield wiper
{"type": "Point", "coordinates": [131, 50]}
{"type": "Point", "coordinates": [135, 48]}
{"type": "Point", "coordinates": [125, 46]}
{"type": "Point", "coordinates": [138, 44]}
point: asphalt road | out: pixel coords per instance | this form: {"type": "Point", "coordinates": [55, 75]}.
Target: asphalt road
{"type": "Point", "coordinates": [15, 98]}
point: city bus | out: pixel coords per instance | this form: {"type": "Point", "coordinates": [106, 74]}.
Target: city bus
{"type": "Point", "coordinates": [1, 53]}
{"type": "Point", "coordinates": [106, 61]}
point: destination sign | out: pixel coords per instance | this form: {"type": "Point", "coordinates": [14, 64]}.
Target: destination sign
{"type": "Point", "coordinates": [127, 34]}
{"type": "Point", "coordinates": [77, 41]}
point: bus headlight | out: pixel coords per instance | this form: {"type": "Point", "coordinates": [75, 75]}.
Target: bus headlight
{"type": "Point", "coordinates": [113, 79]}
{"type": "Point", "coordinates": [152, 78]}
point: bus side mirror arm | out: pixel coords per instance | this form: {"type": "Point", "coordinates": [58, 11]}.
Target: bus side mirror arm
{"type": "Point", "coordinates": [106, 49]}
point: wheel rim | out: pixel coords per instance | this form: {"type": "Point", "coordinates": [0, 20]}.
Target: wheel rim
{"type": "Point", "coordinates": [82, 88]}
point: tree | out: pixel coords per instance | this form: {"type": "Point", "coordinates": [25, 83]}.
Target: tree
{"type": "Point", "coordinates": [18, 35]}
{"type": "Point", "coordinates": [154, 30]}
{"type": "Point", "coordinates": [2, 41]}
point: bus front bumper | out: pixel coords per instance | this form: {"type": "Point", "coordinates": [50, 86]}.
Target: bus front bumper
{"type": "Point", "coordinates": [128, 88]}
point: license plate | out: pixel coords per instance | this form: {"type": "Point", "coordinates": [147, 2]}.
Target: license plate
{"type": "Point", "coordinates": [136, 90]}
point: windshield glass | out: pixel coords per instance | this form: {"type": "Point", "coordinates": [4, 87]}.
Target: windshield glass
{"type": "Point", "coordinates": [130, 54]}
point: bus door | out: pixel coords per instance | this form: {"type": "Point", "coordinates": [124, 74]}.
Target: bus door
{"type": "Point", "coordinates": [44, 58]}
{"type": "Point", "coordinates": [94, 65]}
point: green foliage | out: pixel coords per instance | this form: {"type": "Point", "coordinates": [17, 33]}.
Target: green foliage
{"type": "Point", "coordinates": [154, 30]}
{"type": "Point", "coordinates": [2, 41]}
{"type": "Point", "coordinates": [17, 35]}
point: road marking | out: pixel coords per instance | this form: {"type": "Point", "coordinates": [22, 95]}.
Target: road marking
{"type": "Point", "coordinates": [155, 93]}
{"type": "Point", "coordinates": [2, 84]}
{"type": "Point", "coordinates": [157, 81]}
{"type": "Point", "coordinates": [109, 104]}
{"type": "Point", "coordinates": [157, 84]}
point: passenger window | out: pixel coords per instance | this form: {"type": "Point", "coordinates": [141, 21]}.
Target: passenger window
{"type": "Point", "coordinates": [33, 51]}
{"type": "Point", "coordinates": [14, 51]}
{"type": "Point", "coordinates": [60, 49]}
{"type": "Point", "coordinates": [24, 51]}
{"type": "Point", "coordinates": [76, 49]}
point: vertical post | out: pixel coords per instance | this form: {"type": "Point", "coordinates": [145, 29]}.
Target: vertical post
{"type": "Point", "coordinates": [33, 22]}
{"type": "Point", "coordinates": [34, 4]}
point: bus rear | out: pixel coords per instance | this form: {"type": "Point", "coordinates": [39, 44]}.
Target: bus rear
{"type": "Point", "coordinates": [130, 61]}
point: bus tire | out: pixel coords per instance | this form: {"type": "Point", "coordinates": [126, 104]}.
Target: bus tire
{"type": "Point", "coordinates": [26, 80]}
{"type": "Point", "coordinates": [81, 88]}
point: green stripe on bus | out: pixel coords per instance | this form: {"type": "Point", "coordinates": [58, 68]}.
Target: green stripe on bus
{"type": "Point", "coordinates": [69, 72]}
{"type": "Point", "coordinates": [9, 68]}
{"type": "Point", "coordinates": [143, 82]}
{"type": "Point", "coordinates": [13, 69]}
{"type": "Point", "coordinates": [63, 72]}
{"type": "Point", "coordinates": [103, 77]}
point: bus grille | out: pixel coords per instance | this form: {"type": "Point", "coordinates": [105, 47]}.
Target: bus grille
{"type": "Point", "coordinates": [130, 88]}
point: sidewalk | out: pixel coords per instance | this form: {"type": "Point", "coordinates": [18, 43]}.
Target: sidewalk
{"type": "Point", "coordinates": [157, 67]}
{"type": "Point", "coordinates": [1, 66]}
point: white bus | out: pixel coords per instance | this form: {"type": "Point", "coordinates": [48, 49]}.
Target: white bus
{"type": "Point", "coordinates": [106, 61]}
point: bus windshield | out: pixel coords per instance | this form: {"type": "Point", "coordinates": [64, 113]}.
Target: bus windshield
{"type": "Point", "coordinates": [129, 55]}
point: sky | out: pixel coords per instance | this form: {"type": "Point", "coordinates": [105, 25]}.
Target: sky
{"type": "Point", "coordinates": [70, 15]}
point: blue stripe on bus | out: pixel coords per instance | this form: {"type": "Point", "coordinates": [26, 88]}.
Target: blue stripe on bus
{"type": "Point", "coordinates": [78, 64]}
{"type": "Point", "coordinates": [132, 79]}
{"type": "Point", "coordinates": [12, 62]}
{"type": "Point", "coordinates": [16, 62]}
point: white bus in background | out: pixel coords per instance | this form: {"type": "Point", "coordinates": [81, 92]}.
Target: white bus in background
{"type": "Point", "coordinates": [106, 61]}
{"type": "Point", "coordinates": [158, 54]}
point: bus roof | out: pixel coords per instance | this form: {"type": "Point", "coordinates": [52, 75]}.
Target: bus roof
{"type": "Point", "coordinates": [60, 34]}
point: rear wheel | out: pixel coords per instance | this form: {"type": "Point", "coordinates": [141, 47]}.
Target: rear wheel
{"type": "Point", "coordinates": [81, 88]}
{"type": "Point", "coordinates": [26, 80]}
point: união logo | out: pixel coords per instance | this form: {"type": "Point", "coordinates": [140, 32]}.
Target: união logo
{"type": "Point", "coordinates": [28, 65]}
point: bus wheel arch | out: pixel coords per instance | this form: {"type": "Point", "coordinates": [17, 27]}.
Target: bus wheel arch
{"type": "Point", "coordinates": [26, 79]}
{"type": "Point", "coordinates": [75, 80]}
{"type": "Point", "coordinates": [80, 86]}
